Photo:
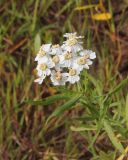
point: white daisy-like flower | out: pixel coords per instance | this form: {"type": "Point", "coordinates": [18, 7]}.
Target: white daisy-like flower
{"type": "Point", "coordinates": [84, 60]}
{"type": "Point", "coordinates": [56, 49]}
{"type": "Point", "coordinates": [56, 61]}
{"type": "Point", "coordinates": [72, 44]}
{"type": "Point", "coordinates": [88, 53]}
{"type": "Point", "coordinates": [43, 55]}
{"type": "Point", "coordinates": [58, 78]}
{"type": "Point", "coordinates": [66, 59]}
{"type": "Point", "coordinates": [81, 62]}
{"type": "Point", "coordinates": [44, 69]}
{"type": "Point", "coordinates": [73, 76]}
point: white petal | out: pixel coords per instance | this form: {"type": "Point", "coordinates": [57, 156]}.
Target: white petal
{"type": "Point", "coordinates": [76, 78]}
{"type": "Point", "coordinates": [61, 59]}
{"type": "Point", "coordinates": [57, 67]}
{"type": "Point", "coordinates": [92, 55]}
{"type": "Point", "coordinates": [86, 66]}
{"type": "Point", "coordinates": [50, 64]}
{"type": "Point", "coordinates": [76, 48]}
{"type": "Point", "coordinates": [65, 74]}
{"type": "Point", "coordinates": [67, 63]}
{"type": "Point", "coordinates": [39, 72]}
{"type": "Point", "coordinates": [48, 72]}
{"type": "Point", "coordinates": [89, 62]}
{"type": "Point", "coordinates": [46, 47]}
{"type": "Point", "coordinates": [39, 80]}
{"type": "Point", "coordinates": [36, 58]}
{"type": "Point", "coordinates": [80, 68]}
{"type": "Point", "coordinates": [84, 52]}
{"type": "Point", "coordinates": [43, 59]}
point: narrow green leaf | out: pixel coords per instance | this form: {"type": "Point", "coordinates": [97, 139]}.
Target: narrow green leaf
{"type": "Point", "coordinates": [83, 128]}
{"type": "Point", "coordinates": [35, 15]}
{"type": "Point", "coordinates": [37, 43]}
{"type": "Point", "coordinates": [112, 137]}
{"type": "Point", "coordinates": [65, 7]}
{"type": "Point", "coordinates": [49, 100]}
{"type": "Point", "coordinates": [59, 110]}
{"type": "Point", "coordinates": [126, 111]}
{"type": "Point", "coordinates": [119, 86]}
{"type": "Point", "coordinates": [85, 7]}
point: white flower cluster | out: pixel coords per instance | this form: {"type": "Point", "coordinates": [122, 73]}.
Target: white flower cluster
{"type": "Point", "coordinates": [63, 63]}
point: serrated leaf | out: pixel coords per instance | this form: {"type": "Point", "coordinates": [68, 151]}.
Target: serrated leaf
{"type": "Point", "coordinates": [112, 136]}
{"type": "Point", "coordinates": [102, 16]}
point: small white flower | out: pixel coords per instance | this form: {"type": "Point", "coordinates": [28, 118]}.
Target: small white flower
{"type": "Point", "coordinates": [74, 48]}
{"type": "Point", "coordinates": [56, 49]}
{"type": "Point", "coordinates": [84, 60]}
{"type": "Point", "coordinates": [58, 78]}
{"type": "Point", "coordinates": [88, 53]}
{"type": "Point", "coordinates": [43, 56]}
{"type": "Point", "coordinates": [73, 76]}
{"type": "Point", "coordinates": [44, 68]}
{"type": "Point", "coordinates": [72, 44]}
{"type": "Point", "coordinates": [66, 59]}
{"type": "Point", "coordinates": [56, 61]}
{"type": "Point", "coordinates": [80, 63]}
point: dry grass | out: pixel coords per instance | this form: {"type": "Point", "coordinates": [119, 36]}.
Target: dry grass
{"type": "Point", "coordinates": [101, 113]}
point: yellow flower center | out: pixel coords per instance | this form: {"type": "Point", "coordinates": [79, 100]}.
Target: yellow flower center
{"type": "Point", "coordinates": [81, 61]}
{"type": "Point", "coordinates": [58, 76]}
{"type": "Point", "coordinates": [68, 55]}
{"type": "Point", "coordinates": [43, 66]}
{"type": "Point", "coordinates": [42, 53]}
{"type": "Point", "coordinates": [72, 41]}
{"type": "Point", "coordinates": [56, 46]}
{"type": "Point", "coordinates": [72, 72]}
{"type": "Point", "coordinates": [86, 56]}
{"type": "Point", "coordinates": [55, 59]}
{"type": "Point", "coordinates": [72, 36]}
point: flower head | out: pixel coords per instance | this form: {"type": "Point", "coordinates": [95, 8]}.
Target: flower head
{"type": "Point", "coordinates": [44, 68]}
{"type": "Point", "coordinates": [42, 55]}
{"type": "Point", "coordinates": [88, 54]}
{"type": "Point", "coordinates": [72, 43]}
{"type": "Point", "coordinates": [63, 63]}
{"type": "Point", "coordinates": [56, 49]}
{"type": "Point", "coordinates": [56, 61]}
{"type": "Point", "coordinates": [66, 59]}
{"type": "Point", "coordinates": [73, 76]}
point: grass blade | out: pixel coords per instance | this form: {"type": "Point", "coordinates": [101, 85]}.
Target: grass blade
{"type": "Point", "coordinates": [126, 111]}
{"type": "Point", "coordinates": [49, 100]}
{"type": "Point", "coordinates": [119, 86]}
{"type": "Point", "coordinates": [112, 137]}
{"type": "Point", "coordinates": [59, 110]}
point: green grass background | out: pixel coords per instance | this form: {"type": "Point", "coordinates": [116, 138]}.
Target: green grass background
{"type": "Point", "coordinates": [86, 121]}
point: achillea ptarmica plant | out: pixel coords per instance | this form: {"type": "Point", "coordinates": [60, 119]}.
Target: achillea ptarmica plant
{"type": "Point", "coordinates": [63, 63]}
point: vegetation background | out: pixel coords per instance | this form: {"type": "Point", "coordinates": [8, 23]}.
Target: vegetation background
{"type": "Point", "coordinates": [87, 121]}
